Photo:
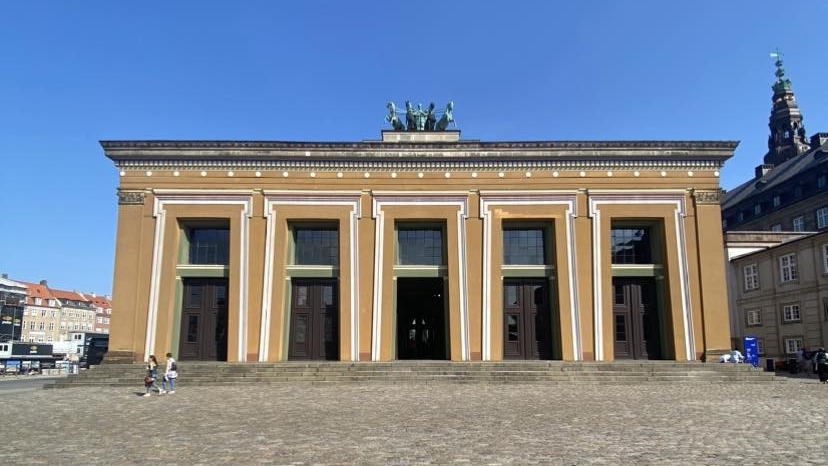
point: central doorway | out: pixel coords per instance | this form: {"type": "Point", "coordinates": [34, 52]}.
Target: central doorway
{"type": "Point", "coordinates": [314, 320]}
{"type": "Point", "coordinates": [204, 320]}
{"type": "Point", "coordinates": [421, 319]}
{"type": "Point", "coordinates": [527, 323]}
{"type": "Point", "coordinates": [636, 323]}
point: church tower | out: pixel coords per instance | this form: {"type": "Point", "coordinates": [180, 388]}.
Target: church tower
{"type": "Point", "coordinates": [787, 135]}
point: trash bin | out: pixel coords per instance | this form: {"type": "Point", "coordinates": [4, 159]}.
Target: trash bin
{"type": "Point", "coordinates": [769, 365]}
{"type": "Point", "coordinates": [793, 366]}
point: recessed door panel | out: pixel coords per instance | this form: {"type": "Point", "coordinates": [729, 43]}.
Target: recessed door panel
{"type": "Point", "coordinates": [314, 321]}
{"type": "Point", "coordinates": [527, 324]}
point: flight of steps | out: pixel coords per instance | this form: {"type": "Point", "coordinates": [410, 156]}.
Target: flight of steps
{"type": "Point", "coordinates": [324, 373]}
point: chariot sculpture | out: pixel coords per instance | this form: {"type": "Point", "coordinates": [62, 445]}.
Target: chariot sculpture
{"type": "Point", "coordinates": [420, 119]}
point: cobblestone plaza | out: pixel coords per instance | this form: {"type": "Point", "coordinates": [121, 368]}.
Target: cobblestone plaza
{"type": "Point", "coordinates": [300, 424]}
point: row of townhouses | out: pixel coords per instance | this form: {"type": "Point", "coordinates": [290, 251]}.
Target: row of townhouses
{"type": "Point", "coordinates": [34, 312]}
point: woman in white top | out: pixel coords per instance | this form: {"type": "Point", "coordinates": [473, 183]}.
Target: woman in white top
{"type": "Point", "coordinates": [169, 375]}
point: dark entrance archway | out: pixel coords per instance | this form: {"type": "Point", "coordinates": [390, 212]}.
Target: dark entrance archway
{"type": "Point", "coordinates": [636, 321]}
{"type": "Point", "coordinates": [204, 320]}
{"type": "Point", "coordinates": [421, 319]}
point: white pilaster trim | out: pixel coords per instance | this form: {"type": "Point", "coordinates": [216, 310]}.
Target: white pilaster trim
{"type": "Point", "coordinates": [675, 198]}
{"type": "Point", "coordinates": [457, 199]}
{"type": "Point", "coordinates": [309, 198]}
{"type": "Point", "coordinates": [165, 197]}
{"type": "Point", "coordinates": [497, 198]}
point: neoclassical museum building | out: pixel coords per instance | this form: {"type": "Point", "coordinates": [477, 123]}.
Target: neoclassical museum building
{"type": "Point", "coordinates": [420, 245]}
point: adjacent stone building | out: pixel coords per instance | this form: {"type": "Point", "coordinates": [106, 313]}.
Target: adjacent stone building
{"type": "Point", "coordinates": [774, 224]}
{"type": "Point", "coordinates": [420, 245]}
{"type": "Point", "coordinates": [779, 285]}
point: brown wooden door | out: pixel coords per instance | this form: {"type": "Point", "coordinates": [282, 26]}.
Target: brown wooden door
{"type": "Point", "coordinates": [527, 325]}
{"type": "Point", "coordinates": [314, 320]}
{"type": "Point", "coordinates": [204, 320]}
{"type": "Point", "coordinates": [636, 327]}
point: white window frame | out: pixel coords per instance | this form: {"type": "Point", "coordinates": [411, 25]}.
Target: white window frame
{"type": "Point", "coordinates": [753, 317]}
{"type": "Point", "coordinates": [787, 268]}
{"type": "Point", "coordinates": [777, 201]}
{"type": "Point", "coordinates": [822, 217]}
{"type": "Point", "coordinates": [799, 223]}
{"type": "Point", "coordinates": [750, 273]}
{"type": "Point", "coordinates": [792, 345]}
{"type": "Point", "coordinates": [793, 310]}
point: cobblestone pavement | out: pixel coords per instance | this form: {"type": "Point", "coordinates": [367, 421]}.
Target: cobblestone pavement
{"type": "Point", "coordinates": [691, 423]}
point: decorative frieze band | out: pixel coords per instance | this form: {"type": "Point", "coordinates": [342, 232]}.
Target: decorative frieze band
{"type": "Point", "coordinates": [131, 197]}
{"type": "Point", "coordinates": [708, 197]}
{"type": "Point", "coordinates": [420, 165]}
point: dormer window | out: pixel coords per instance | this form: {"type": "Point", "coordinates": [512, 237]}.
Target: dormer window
{"type": "Point", "coordinates": [741, 216]}
{"type": "Point", "coordinates": [822, 181]}
{"type": "Point", "coordinates": [757, 209]}
{"type": "Point", "coordinates": [777, 201]}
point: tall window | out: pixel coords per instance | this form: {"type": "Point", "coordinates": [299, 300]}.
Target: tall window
{"type": "Point", "coordinates": [825, 258]}
{"type": "Point", "coordinates": [631, 246]}
{"type": "Point", "coordinates": [777, 201]}
{"type": "Point", "coordinates": [790, 313]}
{"type": "Point", "coordinates": [754, 317]}
{"type": "Point", "coordinates": [420, 245]}
{"type": "Point", "coordinates": [760, 346]}
{"type": "Point", "coordinates": [523, 246]}
{"type": "Point", "coordinates": [209, 246]}
{"type": "Point", "coordinates": [787, 265]}
{"type": "Point", "coordinates": [792, 345]}
{"type": "Point", "coordinates": [799, 223]}
{"type": "Point", "coordinates": [751, 272]}
{"type": "Point", "coordinates": [776, 227]}
{"type": "Point", "coordinates": [316, 246]}
{"type": "Point", "coordinates": [822, 217]}
{"type": "Point", "coordinates": [757, 209]}
{"type": "Point", "coordinates": [821, 181]}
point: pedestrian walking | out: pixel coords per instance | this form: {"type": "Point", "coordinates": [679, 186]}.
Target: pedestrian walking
{"type": "Point", "coordinates": [150, 380]}
{"type": "Point", "coordinates": [821, 359]}
{"type": "Point", "coordinates": [170, 374]}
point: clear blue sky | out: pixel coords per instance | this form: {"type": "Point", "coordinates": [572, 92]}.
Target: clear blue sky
{"type": "Point", "coordinates": [77, 72]}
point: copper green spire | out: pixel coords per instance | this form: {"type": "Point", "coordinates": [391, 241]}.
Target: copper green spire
{"type": "Point", "coordinates": [782, 84]}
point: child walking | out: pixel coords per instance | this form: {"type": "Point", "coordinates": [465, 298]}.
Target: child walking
{"type": "Point", "coordinates": [170, 374]}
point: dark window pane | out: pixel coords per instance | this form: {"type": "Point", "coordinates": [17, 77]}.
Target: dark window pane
{"type": "Point", "coordinates": [524, 247]}
{"type": "Point", "coordinates": [192, 329]}
{"type": "Point", "coordinates": [512, 295]}
{"type": "Point", "coordinates": [221, 295]}
{"type": "Point", "coordinates": [620, 328]}
{"type": "Point", "coordinates": [631, 246]}
{"type": "Point", "coordinates": [327, 295]}
{"type": "Point", "coordinates": [209, 246]}
{"type": "Point", "coordinates": [316, 246]}
{"type": "Point", "coordinates": [512, 327]}
{"type": "Point", "coordinates": [301, 329]}
{"type": "Point", "coordinates": [302, 296]}
{"type": "Point", "coordinates": [420, 246]}
{"type": "Point", "coordinates": [618, 291]}
{"type": "Point", "coordinates": [329, 335]}
{"type": "Point", "coordinates": [194, 296]}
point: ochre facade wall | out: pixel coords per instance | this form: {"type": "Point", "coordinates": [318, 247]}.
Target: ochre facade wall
{"type": "Point", "coordinates": [693, 276]}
